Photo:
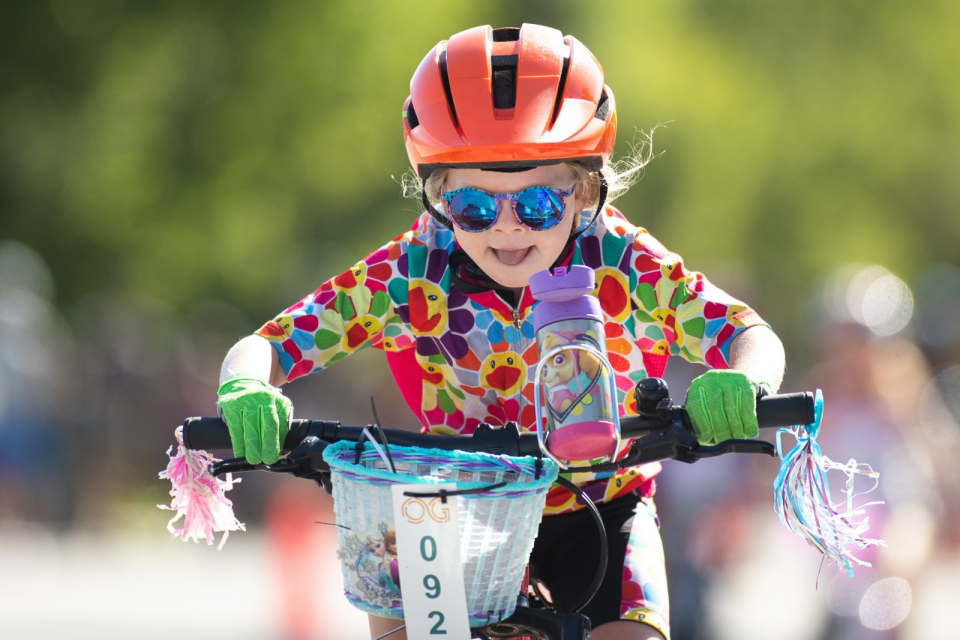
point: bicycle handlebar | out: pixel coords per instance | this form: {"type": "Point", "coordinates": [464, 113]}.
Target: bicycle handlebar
{"type": "Point", "coordinates": [661, 431]}
{"type": "Point", "coordinates": [211, 433]}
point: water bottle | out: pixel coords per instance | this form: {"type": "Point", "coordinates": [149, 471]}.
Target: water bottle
{"type": "Point", "coordinates": [574, 385]}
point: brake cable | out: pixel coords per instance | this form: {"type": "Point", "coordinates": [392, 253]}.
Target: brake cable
{"type": "Point", "coordinates": [602, 564]}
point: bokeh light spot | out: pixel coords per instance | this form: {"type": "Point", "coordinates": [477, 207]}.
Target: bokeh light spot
{"type": "Point", "coordinates": [886, 603]}
{"type": "Point", "coordinates": [843, 594]}
{"type": "Point", "coordinates": [21, 267]}
{"type": "Point", "coordinates": [887, 305]}
{"type": "Point", "coordinates": [879, 300]}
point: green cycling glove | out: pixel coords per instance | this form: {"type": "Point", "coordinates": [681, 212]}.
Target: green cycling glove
{"type": "Point", "coordinates": [722, 405]}
{"type": "Point", "coordinates": [258, 417]}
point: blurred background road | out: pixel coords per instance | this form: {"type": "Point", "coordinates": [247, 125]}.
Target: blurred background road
{"type": "Point", "coordinates": [172, 175]}
{"type": "Point", "coordinates": [131, 586]}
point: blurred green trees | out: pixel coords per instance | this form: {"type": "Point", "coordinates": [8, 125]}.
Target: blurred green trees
{"type": "Point", "coordinates": [246, 151]}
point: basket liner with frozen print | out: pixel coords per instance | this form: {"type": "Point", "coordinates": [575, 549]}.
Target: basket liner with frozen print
{"type": "Point", "coordinates": [497, 526]}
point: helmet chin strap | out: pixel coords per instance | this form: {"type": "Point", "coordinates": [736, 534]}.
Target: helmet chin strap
{"type": "Point", "coordinates": [439, 217]}
{"type": "Point", "coordinates": [573, 236]}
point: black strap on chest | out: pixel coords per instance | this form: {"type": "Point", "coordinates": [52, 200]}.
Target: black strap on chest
{"type": "Point", "coordinates": [479, 281]}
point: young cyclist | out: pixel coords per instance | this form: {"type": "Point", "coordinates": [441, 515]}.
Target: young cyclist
{"type": "Point", "coordinates": [511, 131]}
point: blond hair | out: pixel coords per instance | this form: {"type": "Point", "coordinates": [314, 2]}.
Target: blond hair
{"type": "Point", "coordinates": [619, 176]}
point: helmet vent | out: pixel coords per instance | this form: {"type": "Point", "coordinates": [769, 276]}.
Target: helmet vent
{"type": "Point", "coordinates": [603, 107]}
{"type": "Point", "coordinates": [504, 81]}
{"type": "Point", "coordinates": [412, 118]}
{"type": "Point", "coordinates": [506, 34]}
{"type": "Point", "coordinates": [445, 79]}
{"type": "Point", "coordinates": [562, 84]}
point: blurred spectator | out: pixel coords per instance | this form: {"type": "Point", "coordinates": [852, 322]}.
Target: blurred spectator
{"type": "Point", "coordinates": [704, 508]}
{"type": "Point", "coordinates": [298, 541]}
{"type": "Point", "coordinates": [725, 547]}
{"type": "Point", "coordinates": [36, 351]}
{"type": "Point", "coordinates": [870, 388]}
{"type": "Point", "coordinates": [874, 380]}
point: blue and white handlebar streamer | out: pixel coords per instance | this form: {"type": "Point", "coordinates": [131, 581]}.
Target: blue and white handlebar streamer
{"type": "Point", "coordinates": [803, 502]}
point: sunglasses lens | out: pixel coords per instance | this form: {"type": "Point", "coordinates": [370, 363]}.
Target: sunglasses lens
{"type": "Point", "coordinates": [472, 210]}
{"type": "Point", "coordinates": [539, 208]}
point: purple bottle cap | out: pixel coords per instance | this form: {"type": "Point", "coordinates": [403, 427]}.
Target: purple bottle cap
{"type": "Point", "coordinates": [562, 284]}
{"type": "Point", "coordinates": [564, 295]}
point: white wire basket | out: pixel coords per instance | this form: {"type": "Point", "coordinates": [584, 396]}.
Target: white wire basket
{"type": "Point", "coordinates": [497, 526]}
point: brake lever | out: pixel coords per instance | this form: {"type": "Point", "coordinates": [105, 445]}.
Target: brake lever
{"type": "Point", "coordinates": [240, 465]}
{"type": "Point", "coordinates": [308, 456]}
{"type": "Point", "coordinates": [305, 461]}
{"type": "Point", "coordinates": [673, 442]}
{"type": "Point", "coordinates": [233, 465]}
{"type": "Point", "coordinates": [734, 446]}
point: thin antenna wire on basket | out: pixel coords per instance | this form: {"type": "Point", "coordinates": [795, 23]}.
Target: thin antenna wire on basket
{"type": "Point", "coordinates": [384, 455]}
{"type": "Point", "coordinates": [390, 633]}
{"type": "Point", "coordinates": [383, 436]}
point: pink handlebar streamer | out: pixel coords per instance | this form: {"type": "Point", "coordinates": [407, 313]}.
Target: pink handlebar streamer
{"type": "Point", "coordinates": [198, 497]}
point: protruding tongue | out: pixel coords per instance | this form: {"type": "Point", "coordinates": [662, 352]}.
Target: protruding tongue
{"type": "Point", "coordinates": [511, 257]}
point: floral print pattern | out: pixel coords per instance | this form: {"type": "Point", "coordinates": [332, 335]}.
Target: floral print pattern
{"type": "Point", "coordinates": [643, 592]}
{"type": "Point", "coordinates": [461, 359]}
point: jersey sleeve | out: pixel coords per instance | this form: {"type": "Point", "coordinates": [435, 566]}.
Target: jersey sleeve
{"type": "Point", "coordinates": [679, 312]}
{"type": "Point", "coordinates": [347, 313]}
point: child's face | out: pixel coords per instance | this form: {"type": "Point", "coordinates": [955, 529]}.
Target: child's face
{"type": "Point", "coordinates": [509, 252]}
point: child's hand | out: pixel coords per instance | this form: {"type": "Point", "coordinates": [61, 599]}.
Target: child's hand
{"type": "Point", "coordinates": [258, 416]}
{"type": "Point", "coordinates": [722, 405]}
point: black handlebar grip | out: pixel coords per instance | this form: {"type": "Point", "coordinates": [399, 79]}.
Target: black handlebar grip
{"type": "Point", "coordinates": [785, 410]}
{"type": "Point", "coordinates": [206, 434]}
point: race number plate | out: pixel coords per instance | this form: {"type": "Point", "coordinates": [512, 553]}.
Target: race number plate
{"type": "Point", "coordinates": [428, 555]}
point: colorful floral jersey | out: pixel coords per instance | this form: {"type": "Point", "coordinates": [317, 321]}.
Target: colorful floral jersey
{"type": "Point", "coordinates": [461, 359]}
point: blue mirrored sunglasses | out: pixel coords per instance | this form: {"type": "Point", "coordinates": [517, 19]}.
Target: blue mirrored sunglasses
{"type": "Point", "coordinates": [537, 208]}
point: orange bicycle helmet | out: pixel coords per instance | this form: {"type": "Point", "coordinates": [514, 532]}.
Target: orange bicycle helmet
{"type": "Point", "coordinates": [508, 99]}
